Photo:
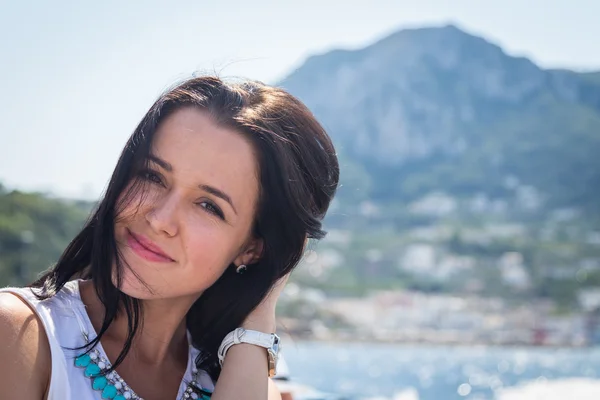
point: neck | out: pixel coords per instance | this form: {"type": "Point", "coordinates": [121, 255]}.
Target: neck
{"type": "Point", "coordinates": [162, 333]}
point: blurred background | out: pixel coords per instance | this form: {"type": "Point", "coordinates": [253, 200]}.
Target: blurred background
{"type": "Point", "coordinates": [463, 255]}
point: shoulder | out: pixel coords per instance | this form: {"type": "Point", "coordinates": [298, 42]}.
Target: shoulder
{"type": "Point", "coordinates": [24, 349]}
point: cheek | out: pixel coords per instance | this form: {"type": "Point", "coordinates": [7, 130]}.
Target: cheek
{"type": "Point", "coordinates": [208, 253]}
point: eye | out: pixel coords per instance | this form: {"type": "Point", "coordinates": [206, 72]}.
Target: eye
{"type": "Point", "coordinates": [211, 208]}
{"type": "Point", "coordinates": [151, 176]}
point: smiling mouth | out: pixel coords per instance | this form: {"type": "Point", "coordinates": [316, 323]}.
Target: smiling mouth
{"type": "Point", "coordinates": [143, 250]}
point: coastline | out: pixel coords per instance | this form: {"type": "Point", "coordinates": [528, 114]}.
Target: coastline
{"type": "Point", "coordinates": [295, 338]}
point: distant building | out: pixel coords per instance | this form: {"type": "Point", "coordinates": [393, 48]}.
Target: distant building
{"type": "Point", "coordinates": [513, 270]}
{"type": "Point", "coordinates": [434, 204]}
{"type": "Point", "coordinates": [419, 258]}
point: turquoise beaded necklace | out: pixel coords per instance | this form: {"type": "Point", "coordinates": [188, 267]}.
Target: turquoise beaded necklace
{"type": "Point", "coordinates": [112, 386]}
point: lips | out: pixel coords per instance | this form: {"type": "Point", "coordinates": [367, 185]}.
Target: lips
{"type": "Point", "coordinates": [146, 249]}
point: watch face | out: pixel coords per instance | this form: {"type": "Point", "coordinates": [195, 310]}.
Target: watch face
{"type": "Point", "coordinates": [275, 345]}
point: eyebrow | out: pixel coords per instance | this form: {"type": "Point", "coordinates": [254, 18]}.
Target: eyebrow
{"type": "Point", "coordinates": [207, 188]}
{"type": "Point", "coordinates": [165, 165]}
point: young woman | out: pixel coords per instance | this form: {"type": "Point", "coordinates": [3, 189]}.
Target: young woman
{"type": "Point", "coordinates": [169, 290]}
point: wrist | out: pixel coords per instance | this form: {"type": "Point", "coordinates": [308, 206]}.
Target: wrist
{"type": "Point", "coordinates": [266, 325]}
{"type": "Point", "coordinates": [268, 341]}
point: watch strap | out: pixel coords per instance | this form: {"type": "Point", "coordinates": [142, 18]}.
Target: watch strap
{"type": "Point", "coordinates": [241, 335]}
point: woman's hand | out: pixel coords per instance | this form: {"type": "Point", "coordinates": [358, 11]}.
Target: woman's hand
{"type": "Point", "coordinates": [244, 373]}
{"type": "Point", "coordinates": [262, 318]}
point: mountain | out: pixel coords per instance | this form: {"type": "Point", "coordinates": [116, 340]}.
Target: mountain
{"type": "Point", "coordinates": [593, 77]}
{"type": "Point", "coordinates": [439, 109]}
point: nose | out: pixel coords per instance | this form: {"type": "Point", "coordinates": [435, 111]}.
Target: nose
{"type": "Point", "coordinates": [162, 215]}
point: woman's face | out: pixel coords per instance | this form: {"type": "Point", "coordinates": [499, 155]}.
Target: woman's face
{"type": "Point", "coordinates": [195, 214]}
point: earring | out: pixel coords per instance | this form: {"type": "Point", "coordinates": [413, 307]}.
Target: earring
{"type": "Point", "coordinates": [241, 269]}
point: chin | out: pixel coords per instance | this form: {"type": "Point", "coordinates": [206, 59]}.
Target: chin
{"type": "Point", "coordinates": [132, 286]}
{"type": "Point", "coordinates": [135, 281]}
{"type": "Point", "coordinates": [139, 285]}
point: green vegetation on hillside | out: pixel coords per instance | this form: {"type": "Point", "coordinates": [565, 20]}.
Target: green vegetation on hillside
{"type": "Point", "coordinates": [34, 230]}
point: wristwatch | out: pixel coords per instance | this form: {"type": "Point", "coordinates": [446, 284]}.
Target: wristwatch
{"type": "Point", "coordinates": [269, 341]}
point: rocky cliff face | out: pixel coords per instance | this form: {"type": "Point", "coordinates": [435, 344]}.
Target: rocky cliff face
{"type": "Point", "coordinates": [448, 108]}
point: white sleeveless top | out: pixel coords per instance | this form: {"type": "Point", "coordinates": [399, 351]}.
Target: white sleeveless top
{"type": "Point", "coordinates": [65, 319]}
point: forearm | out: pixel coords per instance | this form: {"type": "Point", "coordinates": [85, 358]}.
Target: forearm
{"type": "Point", "coordinates": [245, 371]}
{"type": "Point", "coordinates": [244, 375]}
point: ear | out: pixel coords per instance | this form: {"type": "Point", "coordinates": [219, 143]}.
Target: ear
{"type": "Point", "coordinates": [251, 252]}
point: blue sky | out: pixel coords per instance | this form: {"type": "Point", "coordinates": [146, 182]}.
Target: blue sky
{"type": "Point", "coordinates": [76, 78]}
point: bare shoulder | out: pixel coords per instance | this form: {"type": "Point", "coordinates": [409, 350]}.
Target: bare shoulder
{"type": "Point", "coordinates": [24, 351]}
